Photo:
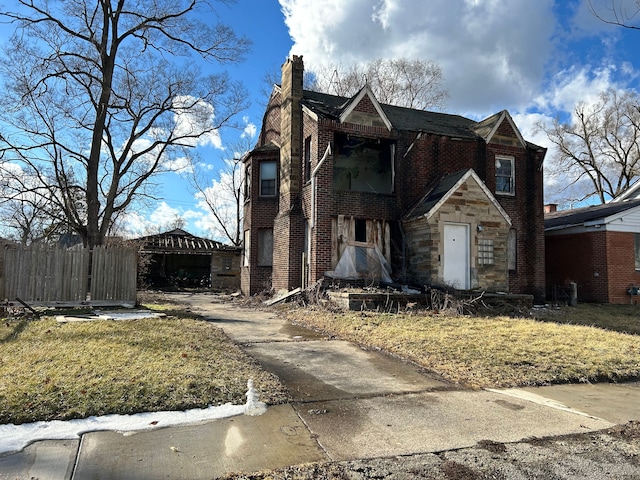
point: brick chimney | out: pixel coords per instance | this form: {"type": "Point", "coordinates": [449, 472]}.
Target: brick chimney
{"type": "Point", "coordinates": [551, 208]}
{"type": "Point", "coordinates": [289, 224]}
{"type": "Point", "coordinates": [290, 130]}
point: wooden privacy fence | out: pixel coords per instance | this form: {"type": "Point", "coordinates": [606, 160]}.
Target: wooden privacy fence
{"type": "Point", "coordinates": [54, 275]}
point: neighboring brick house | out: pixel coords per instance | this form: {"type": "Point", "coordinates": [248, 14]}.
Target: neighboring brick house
{"type": "Point", "coordinates": [596, 247]}
{"type": "Point", "coordinates": [350, 188]}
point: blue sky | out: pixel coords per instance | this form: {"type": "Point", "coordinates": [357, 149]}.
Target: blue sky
{"type": "Point", "coordinates": [537, 59]}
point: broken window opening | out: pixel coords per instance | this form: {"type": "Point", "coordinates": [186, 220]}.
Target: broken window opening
{"type": "Point", "coordinates": [360, 230]}
{"type": "Point", "coordinates": [363, 164]}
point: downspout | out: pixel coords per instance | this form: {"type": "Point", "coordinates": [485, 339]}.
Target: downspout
{"type": "Point", "coordinates": [413, 143]}
{"type": "Point", "coordinates": [314, 172]}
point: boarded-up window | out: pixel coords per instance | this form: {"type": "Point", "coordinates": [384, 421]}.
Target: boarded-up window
{"type": "Point", "coordinates": [511, 249]}
{"type": "Point", "coordinates": [265, 247]}
{"type": "Point", "coordinates": [637, 250]}
{"type": "Point", "coordinates": [485, 251]}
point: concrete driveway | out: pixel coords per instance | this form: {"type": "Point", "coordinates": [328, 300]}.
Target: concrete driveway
{"type": "Point", "coordinates": [360, 404]}
{"type": "Point", "coordinates": [348, 404]}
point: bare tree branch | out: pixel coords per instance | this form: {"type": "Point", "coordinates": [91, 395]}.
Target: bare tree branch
{"type": "Point", "coordinates": [599, 149]}
{"type": "Point", "coordinates": [105, 94]}
{"type": "Point", "coordinates": [403, 82]}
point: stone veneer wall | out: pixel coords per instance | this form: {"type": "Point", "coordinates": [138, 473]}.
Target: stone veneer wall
{"type": "Point", "coordinates": [425, 242]}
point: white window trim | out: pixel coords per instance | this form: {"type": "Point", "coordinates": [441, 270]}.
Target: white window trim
{"type": "Point", "coordinates": [513, 175]}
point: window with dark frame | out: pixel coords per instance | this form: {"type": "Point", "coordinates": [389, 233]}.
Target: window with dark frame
{"type": "Point", "coordinates": [637, 250]}
{"type": "Point", "coordinates": [268, 177]}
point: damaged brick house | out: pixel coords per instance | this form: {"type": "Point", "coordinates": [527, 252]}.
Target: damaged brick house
{"type": "Point", "coordinates": [350, 188]}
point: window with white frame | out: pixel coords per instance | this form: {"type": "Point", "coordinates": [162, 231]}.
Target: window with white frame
{"type": "Point", "coordinates": [268, 177]}
{"type": "Point", "coordinates": [505, 175]}
{"type": "Point", "coordinates": [637, 250]}
{"type": "Point", "coordinates": [247, 248]}
{"type": "Point", "coordinates": [247, 182]}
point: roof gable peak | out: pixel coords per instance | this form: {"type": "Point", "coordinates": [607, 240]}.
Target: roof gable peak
{"type": "Point", "coordinates": [488, 128]}
{"type": "Point", "coordinates": [350, 105]}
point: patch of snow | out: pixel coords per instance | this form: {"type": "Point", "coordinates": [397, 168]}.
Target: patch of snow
{"type": "Point", "coordinates": [14, 438]}
{"type": "Point", "coordinates": [254, 406]}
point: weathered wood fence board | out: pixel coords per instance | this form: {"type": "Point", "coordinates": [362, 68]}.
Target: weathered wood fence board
{"type": "Point", "coordinates": [114, 274]}
{"type": "Point", "coordinates": [44, 275]}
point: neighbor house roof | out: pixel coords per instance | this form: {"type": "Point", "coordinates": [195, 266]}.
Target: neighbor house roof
{"type": "Point", "coordinates": [180, 241]}
{"type": "Point", "coordinates": [586, 216]}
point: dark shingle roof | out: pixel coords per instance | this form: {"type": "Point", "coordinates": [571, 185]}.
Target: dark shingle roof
{"type": "Point", "coordinates": [439, 190]}
{"type": "Point", "coordinates": [578, 216]}
{"type": "Point", "coordinates": [401, 118]}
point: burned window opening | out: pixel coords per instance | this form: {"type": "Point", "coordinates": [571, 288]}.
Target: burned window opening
{"type": "Point", "coordinates": [363, 164]}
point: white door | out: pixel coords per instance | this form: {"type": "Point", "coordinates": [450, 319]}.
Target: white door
{"type": "Point", "coordinates": [456, 255]}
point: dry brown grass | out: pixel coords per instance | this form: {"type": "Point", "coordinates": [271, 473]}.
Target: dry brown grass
{"type": "Point", "coordinates": [620, 318]}
{"type": "Point", "coordinates": [488, 352]}
{"type": "Point", "coordinates": [74, 370]}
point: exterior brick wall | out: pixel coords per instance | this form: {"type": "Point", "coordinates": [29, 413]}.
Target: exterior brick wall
{"type": "Point", "coordinates": [601, 263]}
{"type": "Point", "coordinates": [421, 160]}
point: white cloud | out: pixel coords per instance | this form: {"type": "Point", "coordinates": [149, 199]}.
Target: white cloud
{"type": "Point", "coordinates": [492, 53]}
{"type": "Point", "coordinates": [195, 117]}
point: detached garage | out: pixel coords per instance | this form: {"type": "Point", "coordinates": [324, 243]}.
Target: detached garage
{"type": "Point", "coordinates": [598, 248]}
{"type": "Point", "coordinates": [177, 259]}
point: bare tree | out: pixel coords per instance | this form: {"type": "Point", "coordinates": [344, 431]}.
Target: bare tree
{"type": "Point", "coordinates": [401, 81]}
{"type": "Point", "coordinates": [27, 215]}
{"type": "Point", "coordinates": [99, 96]}
{"type": "Point", "coordinates": [624, 13]}
{"type": "Point", "coordinates": [223, 195]}
{"type": "Point", "coordinates": [599, 149]}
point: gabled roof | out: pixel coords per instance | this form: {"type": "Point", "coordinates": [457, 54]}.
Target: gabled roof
{"type": "Point", "coordinates": [351, 104]}
{"type": "Point", "coordinates": [488, 127]}
{"type": "Point", "coordinates": [179, 241]}
{"type": "Point", "coordinates": [443, 189]}
{"type": "Point", "coordinates": [401, 118]}
{"type": "Point", "coordinates": [586, 216]}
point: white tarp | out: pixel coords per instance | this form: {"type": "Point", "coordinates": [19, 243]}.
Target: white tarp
{"type": "Point", "coordinates": [362, 263]}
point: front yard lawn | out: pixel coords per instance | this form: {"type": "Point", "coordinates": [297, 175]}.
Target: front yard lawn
{"type": "Point", "coordinates": [489, 352]}
{"type": "Point", "coordinates": [74, 370]}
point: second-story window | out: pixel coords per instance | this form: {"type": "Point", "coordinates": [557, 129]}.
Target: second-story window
{"type": "Point", "coordinates": [268, 177]}
{"type": "Point", "coordinates": [505, 175]}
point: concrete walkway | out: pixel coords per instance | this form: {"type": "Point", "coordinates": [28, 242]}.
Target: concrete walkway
{"type": "Point", "coordinates": [347, 404]}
